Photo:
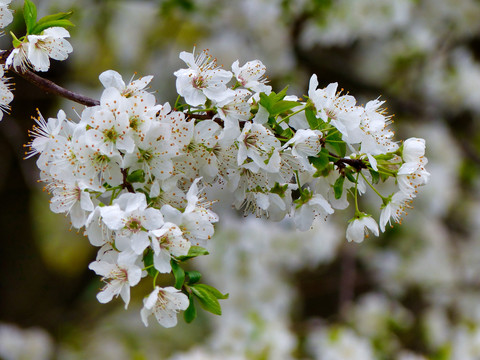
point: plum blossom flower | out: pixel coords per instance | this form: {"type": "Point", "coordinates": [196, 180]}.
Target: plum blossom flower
{"type": "Point", "coordinates": [340, 109]}
{"type": "Point", "coordinates": [259, 144]}
{"type": "Point", "coordinates": [195, 221]}
{"type": "Point", "coordinates": [203, 79]}
{"type": "Point", "coordinates": [358, 228]}
{"type": "Point", "coordinates": [111, 78]}
{"type": "Point", "coordinates": [164, 303]}
{"type": "Point", "coordinates": [38, 50]}
{"type": "Point", "coordinates": [394, 209]}
{"type": "Point", "coordinates": [305, 143]}
{"type": "Point", "coordinates": [18, 58]}
{"type": "Point", "coordinates": [251, 76]}
{"type": "Point", "coordinates": [119, 274]}
{"type": "Point", "coordinates": [168, 241]}
{"type": "Point", "coordinates": [317, 205]}
{"type": "Point", "coordinates": [70, 196]}
{"type": "Point", "coordinates": [132, 219]}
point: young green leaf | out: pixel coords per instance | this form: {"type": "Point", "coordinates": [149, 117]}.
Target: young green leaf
{"type": "Point", "coordinates": [38, 28]}
{"type": "Point", "coordinates": [320, 162]}
{"type": "Point", "coordinates": [375, 176]}
{"type": "Point", "coordinates": [194, 251]}
{"type": "Point", "coordinates": [193, 277]}
{"type": "Point", "coordinates": [53, 17]}
{"type": "Point", "coordinates": [207, 299]}
{"type": "Point", "coordinates": [30, 15]}
{"type": "Point", "coordinates": [338, 187]}
{"type": "Point", "coordinates": [282, 106]}
{"type": "Point", "coordinates": [334, 140]}
{"type": "Point", "coordinates": [148, 262]}
{"type": "Point", "coordinates": [191, 312]}
{"type": "Point", "coordinates": [280, 95]}
{"type": "Point", "coordinates": [348, 174]}
{"type": "Point", "coordinates": [137, 176]}
{"type": "Point", "coordinates": [213, 290]}
{"type": "Point", "coordinates": [312, 119]}
{"type": "Point", "coordinates": [178, 273]}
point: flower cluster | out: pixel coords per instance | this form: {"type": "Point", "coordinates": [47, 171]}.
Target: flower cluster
{"type": "Point", "coordinates": [131, 171]}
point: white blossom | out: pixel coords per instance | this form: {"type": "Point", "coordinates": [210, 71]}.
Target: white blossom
{"type": "Point", "coordinates": [164, 303]}
{"type": "Point", "coordinates": [119, 274]}
{"type": "Point", "coordinates": [358, 228]}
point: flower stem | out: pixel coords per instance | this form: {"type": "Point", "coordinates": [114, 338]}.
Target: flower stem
{"type": "Point", "coordinates": [289, 116]}
{"type": "Point", "coordinates": [373, 188]}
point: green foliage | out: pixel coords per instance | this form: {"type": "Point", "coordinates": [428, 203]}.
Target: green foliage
{"type": "Point", "coordinates": [208, 297]}
{"type": "Point", "coordinates": [194, 251]}
{"type": "Point", "coordinates": [36, 28]}
{"type": "Point", "coordinates": [275, 104]}
{"type": "Point", "coordinates": [30, 15]}
{"type": "Point", "coordinates": [313, 121]}
{"type": "Point", "coordinates": [279, 189]}
{"type": "Point", "coordinates": [178, 273]}
{"type": "Point", "coordinates": [148, 262]}
{"type": "Point", "coordinates": [375, 176]}
{"type": "Point", "coordinates": [321, 162]}
{"type": "Point", "coordinates": [193, 276]}
{"type": "Point", "coordinates": [136, 176]}
{"type": "Point", "coordinates": [190, 313]}
{"type": "Point", "coordinates": [335, 142]}
{"type": "Point", "coordinates": [39, 27]}
{"type": "Point", "coordinates": [338, 187]}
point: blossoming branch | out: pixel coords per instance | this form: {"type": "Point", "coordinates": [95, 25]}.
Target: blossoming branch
{"type": "Point", "coordinates": [134, 174]}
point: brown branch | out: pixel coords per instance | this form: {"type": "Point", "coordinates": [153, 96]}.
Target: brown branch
{"type": "Point", "coordinates": [126, 184]}
{"type": "Point", "coordinates": [50, 87]}
{"type": "Point", "coordinates": [357, 164]}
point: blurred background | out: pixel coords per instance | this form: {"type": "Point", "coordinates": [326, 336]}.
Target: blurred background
{"type": "Point", "coordinates": [411, 294]}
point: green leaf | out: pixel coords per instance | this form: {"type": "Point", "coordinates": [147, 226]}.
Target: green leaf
{"type": "Point", "coordinates": [191, 312]}
{"type": "Point", "coordinates": [53, 17]}
{"type": "Point", "coordinates": [178, 273]}
{"type": "Point", "coordinates": [320, 162]}
{"type": "Point", "coordinates": [338, 187]}
{"type": "Point", "coordinates": [387, 156]}
{"type": "Point", "coordinates": [137, 176]}
{"type": "Point", "coordinates": [30, 15]}
{"type": "Point", "coordinates": [349, 176]}
{"type": "Point", "coordinates": [193, 276]}
{"type": "Point", "coordinates": [284, 133]}
{"type": "Point", "coordinates": [279, 189]}
{"type": "Point", "coordinates": [274, 104]}
{"type": "Point", "coordinates": [266, 101]}
{"type": "Point", "coordinates": [194, 251]}
{"type": "Point", "coordinates": [39, 27]}
{"type": "Point", "coordinates": [375, 176]}
{"type": "Point", "coordinates": [213, 290]}
{"type": "Point", "coordinates": [207, 299]}
{"type": "Point", "coordinates": [148, 262]}
{"type": "Point", "coordinates": [282, 106]}
{"type": "Point", "coordinates": [334, 140]}
{"type": "Point", "coordinates": [280, 95]}
{"type": "Point", "coordinates": [312, 119]}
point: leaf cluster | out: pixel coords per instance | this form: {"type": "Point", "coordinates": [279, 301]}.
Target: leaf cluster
{"type": "Point", "coordinates": [35, 27]}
